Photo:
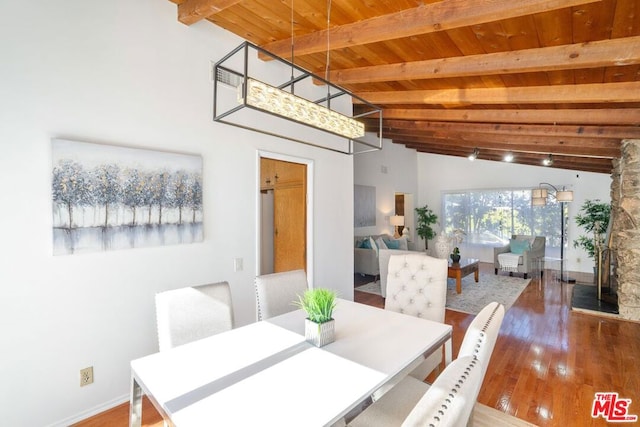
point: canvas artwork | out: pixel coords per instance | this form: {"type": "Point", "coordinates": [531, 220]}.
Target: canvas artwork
{"type": "Point", "coordinates": [364, 206]}
{"type": "Point", "coordinates": [107, 197]}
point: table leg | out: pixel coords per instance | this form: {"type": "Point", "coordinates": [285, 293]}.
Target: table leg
{"type": "Point", "coordinates": [135, 404]}
{"type": "Point", "coordinates": [476, 274]}
{"type": "Point", "coordinates": [448, 353]}
{"type": "Point", "coordinates": [458, 282]}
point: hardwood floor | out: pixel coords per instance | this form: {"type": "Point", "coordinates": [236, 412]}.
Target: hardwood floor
{"type": "Point", "coordinates": [547, 365]}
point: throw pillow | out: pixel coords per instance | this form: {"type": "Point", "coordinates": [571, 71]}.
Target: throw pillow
{"type": "Point", "coordinates": [519, 246]}
{"type": "Point", "coordinates": [373, 245]}
{"type": "Point", "coordinates": [366, 244]}
{"type": "Point", "coordinates": [381, 243]}
{"type": "Point", "coordinates": [404, 245]}
{"type": "Point", "coordinates": [393, 244]}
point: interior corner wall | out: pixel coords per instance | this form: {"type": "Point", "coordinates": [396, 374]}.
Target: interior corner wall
{"type": "Point", "coordinates": [438, 174]}
{"type": "Point", "coordinates": [124, 73]}
{"type": "Point", "coordinates": [390, 170]}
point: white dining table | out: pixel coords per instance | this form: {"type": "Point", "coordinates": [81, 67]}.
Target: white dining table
{"type": "Point", "coordinates": [266, 373]}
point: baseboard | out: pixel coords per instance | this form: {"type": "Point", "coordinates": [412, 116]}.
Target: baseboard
{"type": "Point", "coordinates": [91, 412]}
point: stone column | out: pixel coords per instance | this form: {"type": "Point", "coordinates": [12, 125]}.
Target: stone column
{"type": "Point", "coordinates": [625, 209]}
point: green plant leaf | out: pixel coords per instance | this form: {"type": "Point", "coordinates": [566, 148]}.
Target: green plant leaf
{"type": "Point", "coordinates": [318, 303]}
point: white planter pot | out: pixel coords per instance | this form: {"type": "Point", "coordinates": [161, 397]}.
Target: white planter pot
{"type": "Point", "coordinates": [441, 245]}
{"type": "Point", "coordinates": [319, 334]}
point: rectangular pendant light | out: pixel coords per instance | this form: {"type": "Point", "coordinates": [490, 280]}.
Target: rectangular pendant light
{"type": "Point", "coordinates": [257, 90]}
{"type": "Point", "coordinates": [275, 101]}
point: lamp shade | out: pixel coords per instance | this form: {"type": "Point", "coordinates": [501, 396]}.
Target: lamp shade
{"type": "Point", "coordinates": [539, 193]}
{"type": "Point", "coordinates": [538, 201]}
{"type": "Point", "coordinates": [396, 220]}
{"type": "Point", "coordinates": [564, 196]}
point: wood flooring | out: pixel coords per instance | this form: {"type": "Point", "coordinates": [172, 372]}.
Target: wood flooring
{"type": "Point", "coordinates": [547, 365]}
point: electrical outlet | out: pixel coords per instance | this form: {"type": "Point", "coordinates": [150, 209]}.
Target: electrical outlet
{"type": "Point", "coordinates": [86, 376]}
{"type": "Point", "coordinates": [237, 264]}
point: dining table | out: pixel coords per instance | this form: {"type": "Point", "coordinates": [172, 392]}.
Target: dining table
{"type": "Point", "coordinates": [267, 374]}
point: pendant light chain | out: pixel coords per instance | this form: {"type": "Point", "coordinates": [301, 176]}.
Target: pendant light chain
{"type": "Point", "coordinates": [326, 75]}
{"type": "Point", "coordinates": [292, 57]}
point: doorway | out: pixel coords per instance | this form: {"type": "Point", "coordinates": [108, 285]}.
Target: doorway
{"type": "Point", "coordinates": [284, 214]}
{"type": "Point", "coordinates": [404, 206]}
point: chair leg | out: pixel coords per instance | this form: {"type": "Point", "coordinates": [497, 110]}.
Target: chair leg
{"type": "Point", "coordinates": [525, 276]}
{"type": "Point", "coordinates": [496, 271]}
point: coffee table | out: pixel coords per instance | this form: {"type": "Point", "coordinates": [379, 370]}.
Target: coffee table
{"type": "Point", "coordinates": [457, 270]}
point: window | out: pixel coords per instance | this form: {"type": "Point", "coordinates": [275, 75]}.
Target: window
{"type": "Point", "coordinates": [490, 217]}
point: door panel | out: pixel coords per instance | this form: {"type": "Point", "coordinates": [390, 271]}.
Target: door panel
{"type": "Point", "coordinates": [290, 228]}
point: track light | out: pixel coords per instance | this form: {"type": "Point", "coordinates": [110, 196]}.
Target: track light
{"type": "Point", "coordinates": [548, 161]}
{"type": "Point", "coordinates": [473, 155]}
{"type": "Point", "coordinates": [508, 157]}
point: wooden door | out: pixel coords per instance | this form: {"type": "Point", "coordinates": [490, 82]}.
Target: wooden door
{"type": "Point", "coordinates": [289, 240]}
{"type": "Point", "coordinates": [287, 180]}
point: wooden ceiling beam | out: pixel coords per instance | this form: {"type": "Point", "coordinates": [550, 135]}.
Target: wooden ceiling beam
{"type": "Point", "coordinates": [565, 94]}
{"type": "Point", "coordinates": [604, 53]}
{"type": "Point", "coordinates": [520, 144]}
{"type": "Point", "coordinates": [603, 132]}
{"type": "Point", "coordinates": [560, 162]}
{"type": "Point", "coordinates": [619, 116]}
{"type": "Point", "coordinates": [192, 11]}
{"type": "Point", "coordinates": [424, 19]}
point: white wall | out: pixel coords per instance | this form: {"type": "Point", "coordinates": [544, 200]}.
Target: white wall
{"type": "Point", "coordinates": [437, 174]}
{"type": "Point", "coordinates": [391, 170]}
{"type": "Point", "coordinates": [124, 73]}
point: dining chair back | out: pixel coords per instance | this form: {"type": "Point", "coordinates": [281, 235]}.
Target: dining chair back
{"type": "Point", "coordinates": [417, 286]}
{"type": "Point", "coordinates": [451, 398]}
{"type": "Point", "coordinates": [276, 292]}
{"type": "Point", "coordinates": [449, 401]}
{"type": "Point", "coordinates": [482, 334]}
{"type": "Point", "coordinates": [191, 313]}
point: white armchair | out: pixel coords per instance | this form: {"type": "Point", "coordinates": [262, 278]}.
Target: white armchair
{"type": "Point", "coordinates": [523, 257]}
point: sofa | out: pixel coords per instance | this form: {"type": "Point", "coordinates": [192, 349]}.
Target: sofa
{"type": "Point", "coordinates": [365, 251]}
{"type": "Point", "coordinates": [526, 249]}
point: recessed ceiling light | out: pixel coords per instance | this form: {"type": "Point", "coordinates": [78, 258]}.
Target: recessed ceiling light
{"type": "Point", "coordinates": [508, 157]}
{"type": "Point", "coordinates": [548, 161]}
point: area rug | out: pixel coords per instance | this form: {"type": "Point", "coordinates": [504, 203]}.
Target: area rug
{"type": "Point", "coordinates": [490, 287]}
{"type": "Point", "coordinates": [370, 288]}
{"type": "Point", "coordinates": [474, 296]}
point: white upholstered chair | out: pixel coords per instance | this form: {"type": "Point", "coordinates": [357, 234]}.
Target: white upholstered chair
{"type": "Point", "coordinates": [383, 264]}
{"type": "Point", "coordinates": [414, 403]}
{"type": "Point", "coordinates": [276, 292]}
{"type": "Point", "coordinates": [528, 257]}
{"type": "Point", "coordinates": [447, 402]}
{"type": "Point", "coordinates": [417, 286]}
{"type": "Point", "coordinates": [191, 313]}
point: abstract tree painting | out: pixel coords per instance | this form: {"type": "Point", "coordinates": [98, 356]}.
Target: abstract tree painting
{"type": "Point", "coordinates": [107, 197]}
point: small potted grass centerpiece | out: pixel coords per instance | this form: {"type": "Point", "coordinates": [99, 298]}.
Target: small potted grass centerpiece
{"type": "Point", "coordinates": [319, 328]}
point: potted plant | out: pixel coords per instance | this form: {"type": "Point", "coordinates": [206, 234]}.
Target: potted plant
{"type": "Point", "coordinates": [594, 218]}
{"type": "Point", "coordinates": [426, 218]}
{"type": "Point", "coordinates": [455, 255]}
{"type": "Point", "coordinates": [319, 325]}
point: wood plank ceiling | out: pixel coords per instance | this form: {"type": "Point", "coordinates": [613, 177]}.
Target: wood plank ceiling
{"type": "Point", "coordinates": [527, 77]}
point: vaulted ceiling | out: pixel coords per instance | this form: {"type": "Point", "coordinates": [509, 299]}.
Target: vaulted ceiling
{"type": "Point", "coordinates": [527, 77]}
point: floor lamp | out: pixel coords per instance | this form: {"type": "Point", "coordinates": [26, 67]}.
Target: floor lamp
{"type": "Point", "coordinates": [397, 221]}
{"type": "Point", "coordinates": [539, 198]}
